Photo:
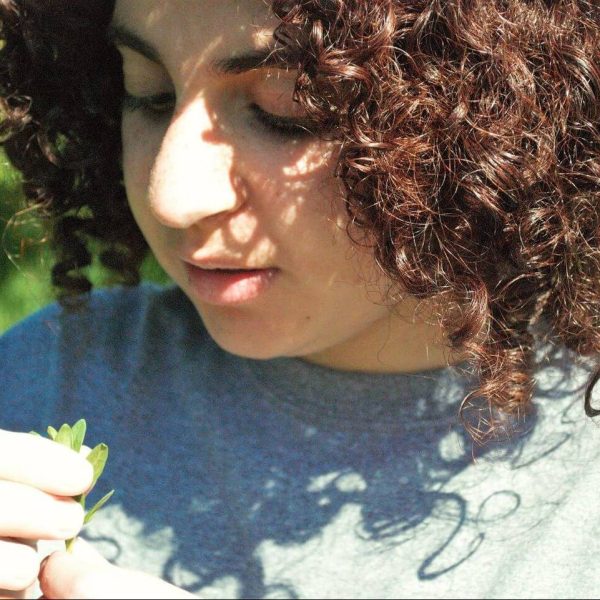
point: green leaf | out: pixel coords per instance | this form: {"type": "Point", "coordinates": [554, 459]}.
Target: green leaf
{"type": "Point", "coordinates": [73, 437]}
{"type": "Point", "coordinates": [97, 507]}
{"type": "Point", "coordinates": [35, 433]}
{"type": "Point", "coordinates": [98, 457]}
{"type": "Point", "coordinates": [78, 432]}
{"type": "Point", "coordinates": [64, 436]}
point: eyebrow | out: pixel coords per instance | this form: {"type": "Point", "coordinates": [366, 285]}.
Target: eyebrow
{"type": "Point", "coordinates": [263, 58]}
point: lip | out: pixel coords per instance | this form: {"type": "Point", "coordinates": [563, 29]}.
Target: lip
{"type": "Point", "coordinates": [211, 264]}
{"type": "Point", "coordinates": [226, 284]}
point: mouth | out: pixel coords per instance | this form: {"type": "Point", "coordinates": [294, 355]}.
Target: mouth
{"type": "Point", "coordinates": [228, 286]}
{"type": "Point", "coordinates": [230, 271]}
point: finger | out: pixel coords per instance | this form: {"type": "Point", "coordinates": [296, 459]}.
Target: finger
{"type": "Point", "coordinates": [12, 595]}
{"type": "Point", "coordinates": [27, 512]}
{"type": "Point", "coordinates": [19, 565]}
{"type": "Point", "coordinates": [84, 551]}
{"type": "Point", "coordinates": [65, 575]}
{"type": "Point", "coordinates": [44, 464]}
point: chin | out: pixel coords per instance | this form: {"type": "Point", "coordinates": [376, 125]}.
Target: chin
{"type": "Point", "coordinates": [247, 342]}
{"type": "Point", "coordinates": [248, 348]}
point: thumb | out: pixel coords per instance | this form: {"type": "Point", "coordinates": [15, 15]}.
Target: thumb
{"type": "Point", "coordinates": [84, 551]}
{"type": "Point", "coordinates": [86, 574]}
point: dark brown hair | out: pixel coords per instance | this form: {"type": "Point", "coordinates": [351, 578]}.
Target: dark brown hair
{"type": "Point", "coordinates": [470, 153]}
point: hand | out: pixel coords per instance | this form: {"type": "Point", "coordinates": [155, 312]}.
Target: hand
{"type": "Point", "coordinates": [83, 573]}
{"type": "Point", "coordinates": [37, 479]}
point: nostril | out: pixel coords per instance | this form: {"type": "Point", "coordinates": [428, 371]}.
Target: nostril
{"type": "Point", "coordinates": [210, 136]}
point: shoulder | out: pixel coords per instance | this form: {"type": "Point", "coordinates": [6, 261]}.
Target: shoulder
{"type": "Point", "coordinates": [562, 378]}
{"type": "Point", "coordinates": [61, 359]}
{"type": "Point", "coordinates": [106, 327]}
{"type": "Point", "coordinates": [107, 312]}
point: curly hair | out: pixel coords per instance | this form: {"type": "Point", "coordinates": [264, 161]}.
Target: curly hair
{"type": "Point", "coordinates": [60, 91]}
{"type": "Point", "coordinates": [469, 135]}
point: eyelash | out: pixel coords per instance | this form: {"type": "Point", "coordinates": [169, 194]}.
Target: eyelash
{"type": "Point", "coordinates": [157, 107]}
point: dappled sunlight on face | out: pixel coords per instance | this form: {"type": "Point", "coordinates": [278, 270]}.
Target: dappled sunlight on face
{"type": "Point", "coordinates": [222, 171]}
{"type": "Point", "coordinates": [308, 163]}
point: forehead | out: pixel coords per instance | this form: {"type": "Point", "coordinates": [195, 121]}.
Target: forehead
{"type": "Point", "coordinates": [189, 31]}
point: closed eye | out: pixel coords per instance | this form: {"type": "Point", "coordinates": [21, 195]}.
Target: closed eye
{"type": "Point", "coordinates": [283, 126]}
{"type": "Point", "coordinates": [161, 106]}
{"type": "Point", "coordinates": [156, 107]}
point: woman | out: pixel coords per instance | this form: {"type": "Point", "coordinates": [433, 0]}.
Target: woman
{"type": "Point", "coordinates": [381, 220]}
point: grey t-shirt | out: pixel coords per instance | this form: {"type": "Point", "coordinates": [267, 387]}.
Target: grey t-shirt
{"type": "Point", "coordinates": [244, 478]}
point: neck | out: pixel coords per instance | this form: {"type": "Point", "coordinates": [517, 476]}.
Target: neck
{"type": "Point", "coordinates": [403, 342]}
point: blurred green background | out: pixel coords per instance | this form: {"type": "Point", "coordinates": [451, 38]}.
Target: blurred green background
{"type": "Point", "coordinates": [25, 259]}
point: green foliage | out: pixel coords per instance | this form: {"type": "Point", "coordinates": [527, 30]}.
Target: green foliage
{"type": "Point", "coordinates": [26, 258]}
{"type": "Point", "coordinates": [72, 437]}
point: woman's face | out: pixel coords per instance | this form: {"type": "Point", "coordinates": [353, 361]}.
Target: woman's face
{"type": "Point", "coordinates": [237, 201]}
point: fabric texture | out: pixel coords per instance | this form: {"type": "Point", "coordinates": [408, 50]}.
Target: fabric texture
{"type": "Point", "coordinates": [281, 479]}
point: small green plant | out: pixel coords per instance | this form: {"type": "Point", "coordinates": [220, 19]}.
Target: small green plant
{"type": "Point", "coordinates": [72, 437]}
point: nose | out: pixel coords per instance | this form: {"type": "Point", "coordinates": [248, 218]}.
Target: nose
{"type": "Point", "coordinates": [193, 176]}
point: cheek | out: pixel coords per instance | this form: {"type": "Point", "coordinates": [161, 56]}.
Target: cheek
{"type": "Point", "coordinates": [308, 220]}
{"type": "Point", "coordinates": [140, 149]}
{"type": "Point", "coordinates": [295, 181]}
